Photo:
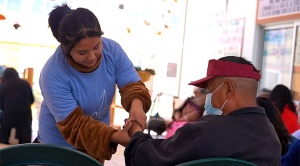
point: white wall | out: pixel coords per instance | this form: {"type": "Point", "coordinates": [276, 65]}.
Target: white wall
{"type": "Point", "coordinates": [246, 9]}
{"type": "Point", "coordinates": [200, 40]}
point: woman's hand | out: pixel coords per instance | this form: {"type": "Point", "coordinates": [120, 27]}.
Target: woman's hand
{"type": "Point", "coordinates": [122, 137]}
{"type": "Point", "coordinates": [137, 113]}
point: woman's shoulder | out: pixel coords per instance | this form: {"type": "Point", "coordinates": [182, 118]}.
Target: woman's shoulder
{"type": "Point", "coordinates": [288, 112]}
{"type": "Point", "coordinates": [55, 62]}
{"type": "Point", "coordinates": [110, 45]}
{"type": "Point", "coordinates": [108, 42]}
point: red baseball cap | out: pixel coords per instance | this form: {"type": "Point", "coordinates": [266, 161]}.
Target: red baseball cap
{"type": "Point", "coordinates": [220, 68]}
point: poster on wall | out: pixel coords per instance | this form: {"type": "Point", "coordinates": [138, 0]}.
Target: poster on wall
{"type": "Point", "coordinates": [230, 37]}
{"type": "Point", "coordinates": [277, 10]}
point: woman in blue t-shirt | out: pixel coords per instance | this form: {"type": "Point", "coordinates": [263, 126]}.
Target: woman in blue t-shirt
{"type": "Point", "coordinates": [78, 84]}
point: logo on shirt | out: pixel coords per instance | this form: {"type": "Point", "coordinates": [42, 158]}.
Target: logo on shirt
{"type": "Point", "coordinates": [101, 109]}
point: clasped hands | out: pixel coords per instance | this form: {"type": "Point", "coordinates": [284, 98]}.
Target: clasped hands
{"type": "Point", "coordinates": [124, 135]}
{"type": "Point", "coordinates": [134, 123]}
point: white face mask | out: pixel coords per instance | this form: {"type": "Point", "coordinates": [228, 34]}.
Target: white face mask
{"type": "Point", "coordinates": [210, 110]}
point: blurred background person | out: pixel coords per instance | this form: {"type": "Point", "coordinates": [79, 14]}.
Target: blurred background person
{"type": "Point", "coordinates": [297, 132]}
{"type": "Point", "coordinates": [191, 112]}
{"type": "Point", "coordinates": [264, 92]}
{"type": "Point", "coordinates": [275, 118]}
{"type": "Point", "coordinates": [16, 99]}
{"type": "Point", "coordinates": [292, 158]}
{"type": "Point", "coordinates": [2, 68]}
{"type": "Point", "coordinates": [282, 99]}
{"type": "Point", "coordinates": [186, 110]}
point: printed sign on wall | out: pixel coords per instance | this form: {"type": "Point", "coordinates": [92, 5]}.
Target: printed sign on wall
{"type": "Point", "coordinates": [277, 10]}
{"type": "Point", "coordinates": [230, 38]}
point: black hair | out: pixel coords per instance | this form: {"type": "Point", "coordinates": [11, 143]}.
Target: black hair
{"type": "Point", "coordinates": [69, 26]}
{"type": "Point", "coordinates": [265, 90]}
{"type": "Point", "coordinates": [237, 59]}
{"type": "Point", "coordinates": [281, 96]}
{"type": "Point", "coordinates": [274, 117]}
{"type": "Point", "coordinates": [10, 74]}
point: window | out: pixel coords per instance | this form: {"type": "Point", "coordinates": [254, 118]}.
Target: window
{"type": "Point", "coordinates": [277, 57]}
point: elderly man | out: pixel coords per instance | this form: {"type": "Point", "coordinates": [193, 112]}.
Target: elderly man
{"type": "Point", "coordinates": [234, 126]}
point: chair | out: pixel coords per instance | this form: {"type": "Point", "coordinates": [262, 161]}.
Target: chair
{"type": "Point", "coordinates": [44, 154]}
{"type": "Point", "coordinates": [219, 161]}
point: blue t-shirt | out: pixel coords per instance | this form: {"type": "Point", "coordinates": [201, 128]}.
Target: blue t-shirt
{"type": "Point", "coordinates": [64, 88]}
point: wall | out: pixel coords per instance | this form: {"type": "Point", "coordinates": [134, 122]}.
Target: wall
{"type": "Point", "coordinates": [200, 38]}
{"type": "Point", "coordinates": [192, 43]}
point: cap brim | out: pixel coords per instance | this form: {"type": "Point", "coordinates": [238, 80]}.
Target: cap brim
{"type": "Point", "coordinates": [202, 83]}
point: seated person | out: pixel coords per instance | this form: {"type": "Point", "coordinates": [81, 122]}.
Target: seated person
{"type": "Point", "coordinates": [282, 98]}
{"type": "Point", "coordinates": [235, 126]}
{"type": "Point", "coordinates": [193, 107]}
{"type": "Point", "coordinates": [275, 118]}
{"type": "Point", "coordinates": [292, 158]}
{"type": "Point", "coordinates": [297, 132]}
{"type": "Point", "coordinates": [190, 111]}
{"type": "Point", "coordinates": [264, 92]}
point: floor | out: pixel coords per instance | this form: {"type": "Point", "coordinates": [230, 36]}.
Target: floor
{"type": "Point", "coordinates": [117, 159]}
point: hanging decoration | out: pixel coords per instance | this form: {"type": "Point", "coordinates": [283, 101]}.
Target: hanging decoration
{"type": "Point", "coordinates": [145, 28]}
{"type": "Point", "coordinates": [2, 17]}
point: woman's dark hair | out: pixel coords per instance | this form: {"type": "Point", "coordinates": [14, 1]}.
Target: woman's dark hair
{"type": "Point", "coordinates": [69, 26]}
{"type": "Point", "coordinates": [281, 96]}
{"type": "Point", "coordinates": [275, 118]}
{"type": "Point", "coordinates": [9, 74]}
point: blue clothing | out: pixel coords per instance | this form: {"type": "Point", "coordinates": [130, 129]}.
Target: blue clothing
{"type": "Point", "coordinates": [296, 134]}
{"type": "Point", "coordinates": [292, 157]}
{"type": "Point", "coordinates": [64, 88]}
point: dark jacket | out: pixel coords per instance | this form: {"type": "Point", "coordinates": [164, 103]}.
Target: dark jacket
{"type": "Point", "coordinates": [244, 134]}
{"type": "Point", "coordinates": [16, 99]}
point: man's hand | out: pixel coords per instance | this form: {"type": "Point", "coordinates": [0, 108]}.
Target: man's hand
{"type": "Point", "coordinates": [137, 113]}
{"type": "Point", "coordinates": [121, 136]}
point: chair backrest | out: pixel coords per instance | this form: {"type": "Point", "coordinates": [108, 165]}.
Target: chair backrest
{"type": "Point", "coordinates": [219, 161]}
{"type": "Point", "coordinates": [44, 154]}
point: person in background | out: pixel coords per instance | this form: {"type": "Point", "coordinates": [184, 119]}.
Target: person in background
{"type": "Point", "coordinates": [264, 92]}
{"type": "Point", "coordinates": [78, 85]}
{"type": "Point", "coordinates": [191, 110]}
{"type": "Point", "coordinates": [186, 112]}
{"type": "Point", "coordinates": [292, 158]}
{"type": "Point", "coordinates": [16, 99]}
{"type": "Point", "coordinates": [282, 99]}
{"type": "Point", "coordinates": [275, 118]}
{"type": "Point", "coordinates": [235, 126]}
{"type": "Point", "coordinates": [297, 132]}
{"type": "Point", "coordinates": [2, 68]}
{"type": "Point", "coordinates": [199, 91]}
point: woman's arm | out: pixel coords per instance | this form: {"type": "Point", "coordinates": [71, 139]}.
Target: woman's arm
{"type": "Point", "coordinates": [136, 100]}
{"type": "Point", "coordinates": [88, 134]}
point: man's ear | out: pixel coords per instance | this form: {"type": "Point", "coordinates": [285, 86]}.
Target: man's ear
{"type": "Point", "coordinates": [230, 88]}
